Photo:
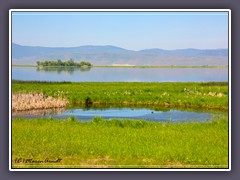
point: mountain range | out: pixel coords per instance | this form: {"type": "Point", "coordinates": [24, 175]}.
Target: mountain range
{"type": "Point", "coordinates": [109, 55]}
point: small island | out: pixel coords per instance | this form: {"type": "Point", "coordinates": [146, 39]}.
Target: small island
{"type": "Point", "coordinates": [60, 63]}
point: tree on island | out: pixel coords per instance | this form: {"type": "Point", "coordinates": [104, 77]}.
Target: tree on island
{"type": "Point", "coordinates": [61, 63]}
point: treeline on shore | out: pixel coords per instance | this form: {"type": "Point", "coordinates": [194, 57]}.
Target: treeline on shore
{"type": "Point", "coordinates": [61, 63]}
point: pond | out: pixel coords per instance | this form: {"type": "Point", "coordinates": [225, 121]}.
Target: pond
{"type": "Point", "coordinates": [120, 74]}
{"type": "Point", "coordinates": [167, 115]}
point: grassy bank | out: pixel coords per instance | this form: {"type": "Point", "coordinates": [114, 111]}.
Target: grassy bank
{"type": "Point", "coordinates": [169, 94]}
{"type": "Point", "coordinates": [119, 144]}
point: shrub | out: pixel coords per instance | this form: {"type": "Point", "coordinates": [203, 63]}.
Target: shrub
{"type": "Point", "coordinates": [97, 119]}
{"type": "Point", "coordinates": [71, 119]}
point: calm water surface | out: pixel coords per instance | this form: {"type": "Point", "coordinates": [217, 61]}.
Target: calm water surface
{"type": "Point", "coordinates": [121, 74]}
{"type": "Point", "coordinates": [125, 113]}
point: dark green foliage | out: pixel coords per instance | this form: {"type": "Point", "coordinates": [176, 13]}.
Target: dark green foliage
{"type": "Point", "coordinates": [88, 102]}
{"type": "Point", "coordinates": [61, 63]}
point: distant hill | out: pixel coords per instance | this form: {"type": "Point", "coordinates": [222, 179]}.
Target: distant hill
{"type": "Point", "coordinates": [190, 52]}
{"type": "Point", "coordinates": [109, 55]}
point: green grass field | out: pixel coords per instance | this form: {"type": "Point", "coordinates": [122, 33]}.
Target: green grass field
{"type": "Point", "coordinates": [119, 144]}
{"type": "Point", "coordinates": [172, 94]}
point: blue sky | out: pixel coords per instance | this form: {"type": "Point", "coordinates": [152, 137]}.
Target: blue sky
{"type": "Point", "coordinates": [129, 30]}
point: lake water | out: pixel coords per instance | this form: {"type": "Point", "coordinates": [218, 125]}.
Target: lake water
{"type": "Point", "coordinates": [121, 74]}
{"type": "Point", "coordinates": [82, 114]}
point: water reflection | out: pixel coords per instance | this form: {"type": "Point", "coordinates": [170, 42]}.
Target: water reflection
{"type": "Point", "coordinates": [120, 74]}
{"type": "Point", "coordinates": [150, 114]}
{"type": "Point", "coordinates": [59, 70]}
{"type": "Point", "coordinates": [39, 112]}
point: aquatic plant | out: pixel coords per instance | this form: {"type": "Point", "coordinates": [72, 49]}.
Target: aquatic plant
{"type": "Point", "coordinates": [97, 119]}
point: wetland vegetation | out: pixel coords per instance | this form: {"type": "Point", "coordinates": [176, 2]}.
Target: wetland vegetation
{"type": "Point", "coordinates": [194, 95]}
{"type": "Point", "coordinates": [120, 143]}
{"type": "Point", "coordinates": [127, 143]}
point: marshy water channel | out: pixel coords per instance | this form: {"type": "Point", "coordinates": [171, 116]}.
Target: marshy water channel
{"type": "Point", "coordinates": [146, 113]}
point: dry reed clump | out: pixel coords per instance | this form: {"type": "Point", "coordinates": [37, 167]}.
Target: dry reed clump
{"type": "Point", "coordinates": [29, 101]}
{"type": "Point", "coordinates": [215, 94]}
{"type": "Point", "coordinates": [219, 94]}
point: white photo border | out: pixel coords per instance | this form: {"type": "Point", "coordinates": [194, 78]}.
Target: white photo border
{"type": "Point", "coordinates": [119, 10]}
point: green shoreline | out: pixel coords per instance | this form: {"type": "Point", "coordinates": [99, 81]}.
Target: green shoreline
{"type": "Point", "coordinates": [172, 94]}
